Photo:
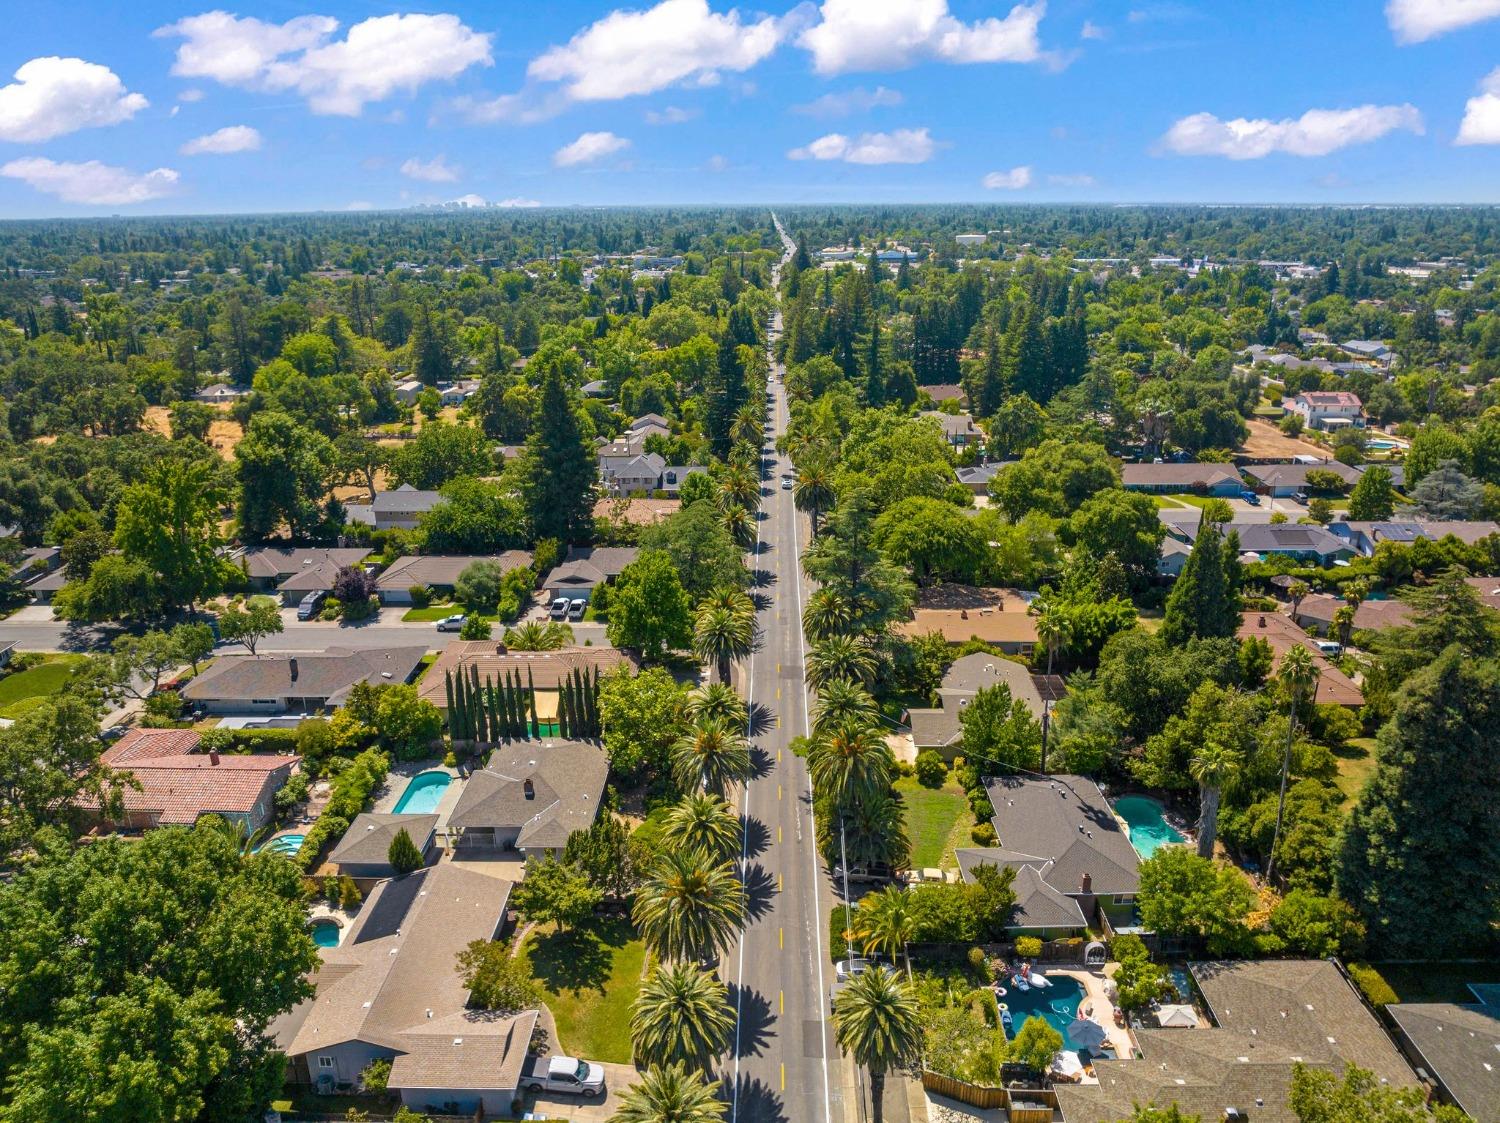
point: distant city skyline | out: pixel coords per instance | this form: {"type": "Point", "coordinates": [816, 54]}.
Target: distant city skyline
{"type": "Point", "coordinates": [173, 108]}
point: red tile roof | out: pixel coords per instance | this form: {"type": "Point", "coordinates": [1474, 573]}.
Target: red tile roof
{"type": "Point", "coordinates": [181, 787]}
{"type": "Point", "coordinates": [150, 744]}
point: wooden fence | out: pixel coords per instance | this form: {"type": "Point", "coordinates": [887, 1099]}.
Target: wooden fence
{"type": "Point", "coordinates": [1025, 1105]}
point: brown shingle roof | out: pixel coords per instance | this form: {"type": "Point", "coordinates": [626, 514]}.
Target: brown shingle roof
{"type": "Point", "coordinates": [276, 563]}
{"type": "Point", "coordinates": [368, 840]}
{"type": "Point", "coordinates": [1334, 687]}
{"type": "Point", "coordinates": [492, 661]}
{"type": "Point", "coordinates": [567, 782]}
{"type": "Point", "coordinates": [1460, 1046]}
{"type": "Point", "coordinates": [442, 569]}
{"type": "Point", "coordinates": [319, 674]}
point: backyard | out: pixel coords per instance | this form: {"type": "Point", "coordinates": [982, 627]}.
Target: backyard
{"type": "Point", "coordinates": [937, 821]}
{"type": "Point", "coordinates": [1436, 981]}
{"type": "Point", "coordinates": [25, 690]}
{"type": "Point", "coordinates": [590, 976]}
{"type": "Point", "coordinates": [1356, 761]}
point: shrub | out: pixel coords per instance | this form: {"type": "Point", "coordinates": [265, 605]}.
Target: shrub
{"type": "Point", "coordinates": [1372, 985]}
{"type": "Point", "coordinates": [349, 895]}
{"type": "Point", "coordinates": [930, 769]}
{"type": "Point", "coordinates": [421, 596]}
{"type": "Point", "coordinates": [978, 960]}
{"type": "Point", "coordinates": [164, 704]}
{"type": "Point", "coordinates": [980, 804]}
{"type": "Point", "coordinates": [293, 792]}
{"type": "Point", "coordinates": [256, 740]}
{"type": "Point", "coordinates": [1028, 947]}
{"type": "Point", "coordinates": [475, 627]}
{"type": "Point", "coordinates": [983, 834]}
{"type": "Point", "coordinates": [315, 744]}
{"type": "Point", "coordinates": [449, 760]}
{"type": "Point", "coordinates": [375, 1076]}
{"type": "Point", "coordinates": [838, 946]}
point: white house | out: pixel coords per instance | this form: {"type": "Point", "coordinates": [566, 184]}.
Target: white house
{"type": "Point", "coordinates": [970, 239]}
{"type": "Point", "coordinates": [1327, 409]}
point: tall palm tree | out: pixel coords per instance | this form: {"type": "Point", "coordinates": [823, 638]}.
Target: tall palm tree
{"type": "Point", "coordinates": [1214, 766]}
{"type": "Point", "coordinates": [689, 907]}
{"type": "Point", "coordinates": [873, 832]}
{"type": "Point", "coordinates": [710, 756]}
{"type": "Point", "coordinates": [845, 657]}
{"type": "Point", "coordinates": [812, 488]}
{"type": "Point", "coordinates": [1054, 629]}
{"type": "Point", "coordinates": [681, 1016]}
{"type": "Point", "coordinates": [702, 822]}
{"type": "Point", "coordinates": [718, 700]}
{"type": "Point", "coordinates": [841, 701]}
{"type": "Point", "coordinates": [1298, 676]}
{"type": "Point", "coordinates": [850, 763]}
{"type": "Point", "coordinates": [884, 924]}
{"type": "Point", "coordinates": [740, 524]}
{"type": "Point", "coordinates": [238, 832]}
{"type": "Point", "coordinates": [876, 1021]}
{"type": "Point", "coordinates": [748, 422]}
{"type": "Point", "coordinates": [740, 486]}
{"type": "Point", "coordinates": [1297, 592]}
{"type": "Point", "coordinates": [828, 612]}
{"type": "Point", "coordinates": [536, 635]}
{"type": "Point", "coordinates": [724, 630]}
{"type": "Point", "coordinates": [669, 1095]}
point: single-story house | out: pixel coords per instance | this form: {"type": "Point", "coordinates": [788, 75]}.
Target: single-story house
{"type": "Point", "coordinates": [1367, 349]}
{"type": "Point", "coordinates": [297, 682]}
{"type": "Point", "coordinates": [1326, 409]}
{"type": "Point", "coordinates": [1335, 688]}
{"type": "Point", "coordinates": [542, 671]}
{"type": "Point", "coordinates": [598, 388]}
{"type": "Point", "coordinates": [584, 568]}
{"type": "Point", "coordinates": [1302, 541]}
{"type": "Point", "coordinates": [1069, 851]}
{"type": "Point", "coordinates": [438, 572]}
{"type": "Point", "coordinates": [179, 785]}
{"type": "Point", "coordinates": [1281, 480]}
{"type": "Point", "coordinates": [946, 392]}
{"type": "Point", "coordinates": [1317, 610]}
{"type": "Point", "coordinates": [390, 991]}
{"type": "Point", "coordinates": [940, 728]}
{"type": "Point", "coordinates": [530, 797]}
{"type": "Point", "coordinates": [1457, 1047]}
{"type": "Point", "coordinates": [1174, 555]}
{"type": "Point", "coordinates": [407, 390]}
{"type": "Point", "coordinates": [400, 509]}
{"type": "Point", "coordinates": [43, 588]}
{"type": "Point", "coordinates": [964, 612]}
{"type": "Point", "coordinates": [268, 568]}
{"type": "Point", "coordinates": [1365, 536]}
{"type": "Point", "coordinates": [1266, 1017]}
{"type": "Point", "coordinates": [977, 477]}
{"type": "Point", "coordinates": [1203, 479]}
{"type": "Point", "coordinates": [219, 395]}
{"type": "Point", "coordinates": [637, 511]}
{"type": "Point", "coordinates": [959, 429]}
{"type": "Point", "coordinates": [364, 851]}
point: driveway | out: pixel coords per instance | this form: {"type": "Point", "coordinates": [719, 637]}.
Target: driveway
{"type": "Point", "coordinates": [617, 1079]}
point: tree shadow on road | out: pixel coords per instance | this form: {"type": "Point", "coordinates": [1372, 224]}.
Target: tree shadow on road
{"type": "Point", "coordinates": [762, 578]}
{"type": "Point", "coordinates": [760, 887]}
{"type": "Point", "coordinates": [755, 1019]}
{"type": "Point", "coordinates": [757, 1101]}
{"type": "Point", "coordinates": [757, 836]}
{"type": "Point", "coordinates": [762, 720]}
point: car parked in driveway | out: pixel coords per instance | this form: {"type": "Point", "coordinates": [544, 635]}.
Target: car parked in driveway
{"type": "Point", "coordinates": [310, 605]}
{"type": "Point", "coordinates": [558, 1073]}
{"type": "Point", "coordinates": [559, 608]}
{"type": "Point", "coordinates": [453, 623]}
{"type": "Point", "coordinates": [576, 610]}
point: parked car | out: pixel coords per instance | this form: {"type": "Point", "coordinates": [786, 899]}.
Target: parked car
{"type": "Point", "coordinates": [866, 871]}
{"type": "Point", "coordinates": [1328, 647]}
{"type": "Point", "coordinates": [560, 608]}
{"type": "Point", "coordinates": [1300, 497]}
{"type": "Point", "coordinates": [311, 605]}
{"type": "Point", "coordinates": [786, 483]}
{"type": "Point", "coordinates": [576, 610]}
{"type": "Point", "coordinates": [846, 969]}
{"type": "Point", "coordinates": [1251, 498]}
{"type": "Point", "coordinates": [558, 1073]}
{"type": "Point", "coordinates": [454, 623]}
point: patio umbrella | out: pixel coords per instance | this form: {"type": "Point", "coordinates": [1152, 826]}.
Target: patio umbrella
{"type": "Point", "coordinates": [1087, 1034]}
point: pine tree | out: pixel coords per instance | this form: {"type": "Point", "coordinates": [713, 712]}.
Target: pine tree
{"type": "Point", "coordinates": [1204, 601]}
{"type": "Point", "coordinates": [559, 473]}
{"type": "Point", "coordinates": [874, 370]}
{"type": "Point", "coordinates": [402, 854]}
{"type": "Point", "coordinates": [536, 723]}
{"type": "Point", "coordinates": [458, 713]}
{"type": "Point", "coordinates": [1028, 353]}
{"type": "Point", "coordinates": [448, 687]}
{"type": "Point", "coordinates": [987, 388]}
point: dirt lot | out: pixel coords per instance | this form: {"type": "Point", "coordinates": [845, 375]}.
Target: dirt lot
{"type": "Point", "coordinates": [223, 433]}
{"type": "Point", "coordinates": [1267, 440]}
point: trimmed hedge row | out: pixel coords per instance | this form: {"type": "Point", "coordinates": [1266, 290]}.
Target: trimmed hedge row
{"type": "Point", "coordinates": [352, 789]}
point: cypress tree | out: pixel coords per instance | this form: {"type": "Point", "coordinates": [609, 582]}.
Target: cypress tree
{"type": "Point", "coordinates": [1202, 603]}
{"type": "Point", "coordinates": [448, 686]}
{"type": "Point", "coordinates": [458, 716]}
{"type": "Point", "coordinates": [517, 708]}
{"type": "Point", "coordinates": [536, 723]}
{"type": "Point", "coordinates": [476, 707]}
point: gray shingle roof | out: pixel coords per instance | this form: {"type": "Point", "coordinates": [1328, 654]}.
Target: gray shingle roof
{"type": "Point", "coordinates": [1460, 1046]}
{"type": "Point", "coordinates": [1066, 821]}
{"type": "Point", "coordinates": [442, 569]}
{"type": "Point", "coordinates": [1186, 476]}
{"type": "Point", "coordinates": [367, 842]}
{"type": "Point", "coordinates": [319, 674]}
{"type": "Point", "coordinates": [1038, 903]}
{"type": "Point", "coordinates": [269, 562]}
{"type": "Point", "coordinates": [406, 500]}
{"type": "Point", "coordinates": [567, 782]}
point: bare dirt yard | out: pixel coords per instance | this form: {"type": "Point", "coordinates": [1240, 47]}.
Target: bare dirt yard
{"type": "Point", "coordinates": [1266, 440]}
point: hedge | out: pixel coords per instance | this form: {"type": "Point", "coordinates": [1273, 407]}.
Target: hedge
{"type": "Point", "coordinates": [1372, 985]}
{"type": "Point", "coordinates": [352, 789]}
{"type": "Point", "coordinates": [262, 740]}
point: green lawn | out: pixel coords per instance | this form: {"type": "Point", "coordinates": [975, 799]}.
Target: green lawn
{"type": "Point", "coordinates": [430, 614]}
{"type": "Point", "coordinates": [25, 690]}
{"type": "Point", "coordinates": [590, 977]}
{"type": "Point", "coordinates": [1356, 760]}
{"type": "Point", "coordinates": [310, 1103]}
{"type": "Point", "coordinates": [1164, 501]}
{"type": "Point", "coordinates": [931, 816]}
{"type": "Point", "coordinates": [1187, 500]}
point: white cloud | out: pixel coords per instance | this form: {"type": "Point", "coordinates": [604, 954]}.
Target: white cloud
{"type": "Point", "coordinates": [1075, 179]}
{"type": "Point", "coordinates": [901, 146]}
{"type": "Point", "coordinates": [223, 142]}
{"type": "Point", "coordinates": [588, 148]}
{"type": "Point", "coordinates": [470, 200]}
{"type": "Point", "coordinates": [857, 100]}
{"type": "Point", "coordinates": [1414, 21]}
{"type": "Point", "coordinates": [53, 96]}
{"type": "Point", "coordinates": [717, 163]}
{"type": "Point", "coordinates": [377, 58]}
{"type": "Point", "coordinates": [1091, 30]}
{"type": "Point", "coordinates": [671, 115]}
{"type": "Point", "coordinates": [517, 201]}
{"type": "Point", "coordinates": [192, 93]}
{"type": "Point", "coordinates": [1316, 133]}
{"type": "Point", "coordinates": [638, 52]}
{"type": "Point", "coordinates": [93, 183]}
{"type": "Point", "coordinates": [1014, 180]}
{"type": "Point", "coordinates": [890, 34]}
{"type": "Point", "coordinates": [436, 170]}
{"type": "Point", "coordinates": [1481, 123]}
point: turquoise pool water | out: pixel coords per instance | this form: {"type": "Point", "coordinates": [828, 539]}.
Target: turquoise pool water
{"type": "Point", "coordinates": [1382, 443]}
{"type": "Point", "coordinates": [423, 793]}
{"type": "Point", "coordinates": [1149, 829]}
{"type": "Point", "coordinates": [325, 933]}
{"type": "Point", "coordinates": [1057, 1005]}
{"type": "Point", "coordinates": [287, 844]}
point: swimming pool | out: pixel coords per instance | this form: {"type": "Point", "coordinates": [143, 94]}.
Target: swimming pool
{"type": "Point", "coordinates": [1149, 829]}
{"type": "Point", "coordinates": [423, 793]}
{"type": "Point", "coordinates": [325, 933]}
{"type": "Point", "coordinates": [287, 844]}
{"type": "Point", "coordinates": [1057, 1005]}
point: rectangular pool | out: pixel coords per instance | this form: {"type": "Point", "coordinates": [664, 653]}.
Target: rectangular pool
{"type": "Point", "coordinates": [423, 793]}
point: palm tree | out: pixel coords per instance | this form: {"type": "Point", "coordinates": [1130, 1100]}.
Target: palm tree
{"type": "Point", "coordinates": [689, 907]}
{"type": "Point", "coordinates": [1053, 628]}
{"type": "Point", "coordinates": [876, 1021]}
{"type": "Point", "coordinates": [740, 524]}
{"type": "Point", "coordinates": [828, 613]}
{"type": "Point", "coordinates": [851, 762]}
{"type": "Point", "coordinates": [1213, 766]}
{"type": "Point", "coordinates": [718, 700]}
{"type": "Point", "coordinates": [669, 1095]}
{"type": "Point", "coordinates": [740, 487]}
{"type": "Point", "coordinates": [873, 832]}
{"type": "Point", "coordinates": [1297, 591]}
{"type": "Point", "coordinates": [724, 630]}
{"type": "Point", "coordinates": [702, 822]}
{"type": "Point", "coordinates": [812, 488]}
{"type": "Point", "coordinates": [710, 756]}
{"type": "Point", "coordinates": [1298, 675]}
{"type": "Point", "coordinates": [681, 1016]}
{"type": "Point", "coordinates": [841, 701]}
{"type": "Point", "coordinates": [748, 422]}
{"type": "Point", "coordinates": [845, 657]}
{"type": "Point", "coordinates": [885, 925]}
{"type": "Point", "coordinates": [535, 635]}
{"type": "Point", "coordinates": [1355, 593]}
{"type": "Point", "coordinates": [238, 832]}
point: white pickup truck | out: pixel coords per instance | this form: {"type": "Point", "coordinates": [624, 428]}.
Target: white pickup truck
{"type": "Point", "coordinates": [564, 1074]}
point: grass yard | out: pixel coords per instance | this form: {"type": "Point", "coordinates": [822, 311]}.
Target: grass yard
{"type": "Point", "coordinates": [431, 614]}
{"type": "Point", "coordinates": [931, 818]}
{"type": "Point", "coordinates": [1356, 761]}
{"type": "Point", "coordinates": [1165, 502]}
{"type": "Point", "coordinates": [590, 977]}
{"type": "Point", "coordinates": [25, 690]}
{"type": "Point", "coordinates": [308, 1102]}
{"type": "Point", "coordinates": [1184, 499]}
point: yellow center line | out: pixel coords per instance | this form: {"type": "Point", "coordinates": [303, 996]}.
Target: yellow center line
{"type": "Point", "coordinates": [778, 834]}
{"type": "Point", "coordinates": [781, 938]}
{"type": "Point", "coordinates": [778, 791]}
{"type": "Point", "coordinates": [783, 1076]}
{"type": "Point", "coordinates": [781, 1002]}
{"type": "Point", "coordinates": [778, 693]}
{"type": "Point", "coordinates": [778, 883]}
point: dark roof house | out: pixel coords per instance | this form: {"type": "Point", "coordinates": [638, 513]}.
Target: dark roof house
{"type": "Point", "coordinates": [1458, 1047]}
{"type": "Point", "coordinates": [298, 681]}
{"type": "Point", "coordinates": [531, 796]}
{"type": "Point", "coordinates": [364, 851]}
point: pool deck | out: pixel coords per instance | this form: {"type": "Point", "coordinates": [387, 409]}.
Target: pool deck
{"type": "Point", "coordinates": [1097, 1006]}
{"type": "Point", "coordinates": [401, 775]}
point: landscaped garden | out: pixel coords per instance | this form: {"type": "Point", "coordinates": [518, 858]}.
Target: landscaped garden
{"type": "Point", "coordinates": [23, 690]}
{"type": "Point", "coordinates": [590, 975]}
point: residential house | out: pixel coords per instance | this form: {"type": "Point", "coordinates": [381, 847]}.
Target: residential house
{"type": "Point", "coordinates": [625, 511]}
{"type": "Point", "coordinates": [940, 728]}
{"type": "Point", "coordinates": [585, 568]}
{"type": "Point", "coordinates": [42, 589]}
{"type": "Point", "coordinates": [438, 573]}
{"type": "Point", "coordinates": [1071, 854]}
{"type": "Point", "coordinates": [946, 392]}
{"type": "Point", "coordinates": [1456, 1046]}
{"type": "Point", "coordinates": [292, 572]}
{"type": "Point", "coordinates": [959, 429]}
{"type": "Point", "coordinates": [175, 785]}
{"type": "Point", "coordinates": [390, 991]}
{"type": "Point", "coordinates": [1364, 537]}
{"type": "Point", "coordinates": [598, 388]}
{"type": "Point", "coordinates": [297, 683]}
{"type": "Point", "coordinates": [977, 477]}
{"type": "Point", "coordinates": [541, 671]}
{"type": "Point", "coordinates": [1282, 480]}
{"type": "Point", "coordinates": [1367, 349]}
{"type": "Point", "coordinates": [634, 473]}
{"type": "Point", "coordinates": [632, 442]}
{"type": "Point", "coordinates": [364, 851]}
{"type": "Point", "coordinates": [1334, 686]}
{"type": "Point", "coordinates": [219, 395]}
{"type": "Point", "coordinates": [530, 797]}
{"type": "Point", "coordinates": [1317, 611]}
{"type": "Point", "coordinates": [1174, 555]}
{"type": "Point", "coordinates": [1326, 409]}
{"type": "Point", "coordinates": [1201, 479]}
{"type": "Point", "coordinates": [1266, 1016]}
{"type": "Point", "coordinates": [457, 393]}
{"type": "Point", "coordinates": [959, 613]}
{"type": "Point", "coordinates": [401, 509]}
{"type": "Point", "coordinates": [408, 390]}
{"type": "Point", "coordinates": [1303, 541]}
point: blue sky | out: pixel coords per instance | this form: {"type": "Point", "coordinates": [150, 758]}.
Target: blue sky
{"type": "Point", "coordinates": [156, 107]}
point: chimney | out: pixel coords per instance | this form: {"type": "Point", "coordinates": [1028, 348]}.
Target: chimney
{"type": "Point", "coordinates": [500, 649]}
{"type": "Point", "coordinates": [293, 664]}
{"type": "Point", "coordinates": [1086, 882]}
{"type": "Point", "coordinates": [213, 757]}
{"type": "Point", "coordinates": [529, 788]}
{"type": "Point", "coordinates": [1261, 620]}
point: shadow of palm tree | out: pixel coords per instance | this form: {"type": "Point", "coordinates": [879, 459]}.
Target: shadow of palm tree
{"type": "Point", "coordinates": [757, 836]}
{"type": "Point", "coordinates": [761, 578]}
{"type": "Point", "coordinates": [761, 721]}
{"type": "Point", "coordinates": [760, 887]}
{"type": "Point", "coordinates": [755, 1020]}
{"type": "Point", "coordinates": [756, 1102]}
